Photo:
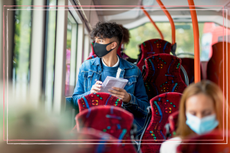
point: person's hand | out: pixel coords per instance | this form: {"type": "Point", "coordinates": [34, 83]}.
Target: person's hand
{"type": "Point", "coordinates": [96, 87]}
{"type": "Point", "coordinates": [121, 94]}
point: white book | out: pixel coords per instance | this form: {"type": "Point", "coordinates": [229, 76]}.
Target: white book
{"type": "Point", "coordinates": [113, 82]}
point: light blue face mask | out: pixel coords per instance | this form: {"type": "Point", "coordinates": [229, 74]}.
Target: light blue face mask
{"type": "Point", "coordinates": [203, 125]}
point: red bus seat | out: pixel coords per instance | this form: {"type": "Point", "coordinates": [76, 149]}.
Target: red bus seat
{"type": "Point", "coordinates": [214, 142]}
{"type": "Point", "coordinates": [161, 107]}
{"type": "Point", "coordinates": [188, 64]}
{"type": "Point", "coordinates": [162, 74]}
{"type": "Point", "coordinates": [113, 120]}
{"type": "Point", "coordinates": [215, 64]}
{"type": "Point", "coordinates": [151, 47]}
{"type": "Point", "coordinates": [173, 119]}
{"type": "Point", "coordinates": [103, 141]}
{"type": "Point", "coordinates": [91, 57]}
{"type": "Point", "coordinates": [98, 99]}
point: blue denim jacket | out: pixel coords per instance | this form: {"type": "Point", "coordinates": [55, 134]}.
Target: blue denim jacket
{"type": "Point", "coordinates": [91, 70]}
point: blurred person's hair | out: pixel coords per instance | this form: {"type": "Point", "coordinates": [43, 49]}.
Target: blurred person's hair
{"type": "Point", "coordinates": [203, 87]}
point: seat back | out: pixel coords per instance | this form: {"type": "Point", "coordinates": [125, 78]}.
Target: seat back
{"type": "Point", "coordinates": [162, 74]}
{"type": "Point", "coordinates": [91, 57]}
{"type": "Point", "coordinates": [161, 107]}
{"type": "Point", "coordinates": [188, 64]}
{"type": "Point", "coordinates": [215, 64]}
{"type": "Point", "coordinates": [113, 120]}
{"type": "Point", "coordinates": [98, 99]}
{"type": "Point", "coordinates": [214, 142]}
{"type": "Point", "coordinates": [103, 141]}
{"type": "Point", "coordinates": [173, 119]}
{"type": "Point", "coordinates": [151, 47]}
{"type": "Point", "coordinates": [109, 119]}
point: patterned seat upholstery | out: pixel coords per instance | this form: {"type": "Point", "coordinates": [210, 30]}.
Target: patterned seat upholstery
{"type": "Point", "coordinates": [215, 71]}
{"type": "Point", "coordinates": [173, 118]}
{"type": "Point", "coordinates": [151, 47]}
{"type": "Point", "coordinates": [162, 74]}
{"type": "Point", "coordinates": [188, 64]}
{"type": "Point", "coordinates": [214, 142]}
{"type": "Point", "coordinates": [103, 140]}
{"type": "Point", "coordinates": [97, 99]}
{"type": "Point", "coordinates": [112, 120]}
{"type": "Point", "coordinates": [161, 106]}
{"type": "Point", "coordinates": [91, 57]}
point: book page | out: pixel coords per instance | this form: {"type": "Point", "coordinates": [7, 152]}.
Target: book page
{"type": "Point", "coordinates": [113, 82]}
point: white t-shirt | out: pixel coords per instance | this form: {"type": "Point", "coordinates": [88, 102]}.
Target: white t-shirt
{"type": "Point", "coordinates": [170, 145]}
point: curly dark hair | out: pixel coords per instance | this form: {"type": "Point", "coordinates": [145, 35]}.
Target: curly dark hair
{"type": "Point", "coordinates": [107, 30]}
{"type": "Point", "coordinates": [126, 35]}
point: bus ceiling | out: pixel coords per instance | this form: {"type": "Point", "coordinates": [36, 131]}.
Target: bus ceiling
{"type": "Point", "coordinates": [129, 13]}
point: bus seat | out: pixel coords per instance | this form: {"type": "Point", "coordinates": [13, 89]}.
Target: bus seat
{"type": "Point", "coordinates": [103, 141]}
{"type": "Point", "coordinates": [173, 118]}
{"type": "Point", "coordinates": [188, 64]}
{"type": "Point", "coordinates": [215, 64]}
{"type": "Point", "coordinates": [162, 74]}
{"type": "Point", "coordinates": [213, 142]}
{"type": "Point", "coordinates": [204, 65]}
{"type": "Point", "coordinates": [97, 99]}
{"type": "Point", "coordinates": [92, 47]}
{"type": "Point", "coordinates": [110, 119]}
{"type": "Point", "coordinates": [151, 47]}
{"type": "Point", "coordinates": [162, 106]}
{"type": "Point", "coordinates": [91, 57]}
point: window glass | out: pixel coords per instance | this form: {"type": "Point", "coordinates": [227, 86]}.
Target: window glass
{"type": "Point", "coordinates": [22, 45]}
{"type": "Point", "coordinates": [49, 64]}
{"type": "Point", "coordinates": [71, 52]}
{"type": "Point", "coordinates": [209, 33]}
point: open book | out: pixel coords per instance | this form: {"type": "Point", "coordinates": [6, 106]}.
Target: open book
{"type": "Point", "coordinates": [113, 82]}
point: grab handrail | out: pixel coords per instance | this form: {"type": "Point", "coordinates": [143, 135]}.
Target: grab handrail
{"type": "Point", "coordinates": [170, 20]}
{"type": "Point", "coordinates": [196, 41]}
{"type": "Point", "coordinates": [154, 24]}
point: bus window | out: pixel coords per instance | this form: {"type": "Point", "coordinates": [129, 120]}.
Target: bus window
{"type": "Point", "coordinates": [48, 81]}
{"type": "Point", "coordinates": [21, 49]}
{"type": "Point", "coordinates": [71, 52]}
{"type": "Point", "coordinates": [212, 33]}
{"type": "Point", "coordinates": [184, 37]}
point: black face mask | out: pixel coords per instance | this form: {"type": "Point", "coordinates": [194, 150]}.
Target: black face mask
{"type": "Point", "coordinates": [100, 49]}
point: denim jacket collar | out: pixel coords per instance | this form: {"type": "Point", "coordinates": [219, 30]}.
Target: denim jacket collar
{"type": "Point", "coordinates": [123, 65]}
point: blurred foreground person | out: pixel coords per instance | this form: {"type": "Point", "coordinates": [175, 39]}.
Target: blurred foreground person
{"type": "Point", "coordinates": [200, 112]}
{"type": "Point", "coordinates": [28, 125]}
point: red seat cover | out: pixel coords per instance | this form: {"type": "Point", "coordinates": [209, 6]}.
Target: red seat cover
{"type": "Point", "coordinates": [161, 106]}
{"type": "Point", "coordinates": [91, 57]}
{"type": "Point", "coordinates": [215, 64]}
{"type": "Point", "coordinates": [113, 120]}
{"type": "Point", "coordinates": [188, 64]}
{"type": "Point", "coordinates": [173, 118]}
{"type": "Point", "coordinates": [103, 141]}
{"type": "Point", "coordinates": [163, 75]}
{"type": "Point", "coordinates": [151, 47]}
{"type": "Point", "coordinates": [97, 99]}
{"type": "Point", "coordinates": [214, 142]}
